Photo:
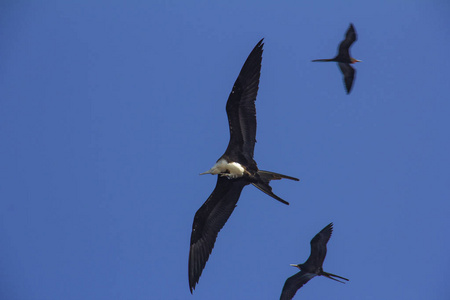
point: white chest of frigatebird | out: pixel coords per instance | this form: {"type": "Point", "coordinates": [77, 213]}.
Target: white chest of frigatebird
{"type": "Point", "coordinates": [235, 169]}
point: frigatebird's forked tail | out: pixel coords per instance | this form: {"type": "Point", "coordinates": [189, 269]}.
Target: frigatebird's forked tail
{"type": "Point", "coordinates": [330, 275]}
{"type": "Point", "coordinates": [323, 59]}
{"type": "Point", "coordinates": [344, 59]}
{"type": "Point", "coordinates": [263, 183]}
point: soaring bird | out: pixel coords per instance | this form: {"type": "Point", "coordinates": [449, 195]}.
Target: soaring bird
{"type": "Point", "coordinates": [236, 168]}
{"type": "Point", "coordinates": [344, 59]}
{"type": "Point", "coordinates": [312, 267]}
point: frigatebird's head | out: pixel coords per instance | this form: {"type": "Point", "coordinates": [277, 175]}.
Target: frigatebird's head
{"type": "Point", "coordinates": [354, 60]}
{"type": "Point", "coordinates": [300, 266]}
{"type": "Point", "coordinates": [224, 168]}
{"type": "Point", "coordinates": [218, 168]}
{"type": "Point", "coordinates": [213, 171]}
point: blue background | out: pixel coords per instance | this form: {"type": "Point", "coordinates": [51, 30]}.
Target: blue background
{"type": "Point", "coordinates": [110, 110]}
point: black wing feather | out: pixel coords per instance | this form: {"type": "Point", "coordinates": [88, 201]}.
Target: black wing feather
{"type": "Point", "coordinates": [350, 38]}
{"type": "Point", "coordinates": [240, 107]}
{"type": "Point", "coordinates": [319, 246]}
{"type": "Point", "coordinates": [209, 220]}
{"type": "Point", "coordinates": [349, 74]}
{"type": "Point", "coordinates": [293, 283]}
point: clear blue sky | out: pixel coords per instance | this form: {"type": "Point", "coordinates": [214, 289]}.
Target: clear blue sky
{"type": "Point", "coordinates": [109, 110]}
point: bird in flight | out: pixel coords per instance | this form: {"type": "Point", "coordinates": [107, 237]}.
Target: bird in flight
{"type": "Point", "coordinates": [236, 168]}
{"type": "Point", "coordinates": [312, 267]}
{"type": "Point", "coordinates": [344, 59]}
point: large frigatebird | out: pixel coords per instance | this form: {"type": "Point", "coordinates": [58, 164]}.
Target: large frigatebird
{"type": "Point", "coordinates": [344, 59]}
{"type": "Point", "coordinates": [312, 267]}
{"type": "Point", "coordinates": [236, 168]}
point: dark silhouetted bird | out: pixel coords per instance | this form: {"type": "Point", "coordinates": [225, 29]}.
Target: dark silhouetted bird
{"type": "Point", "coordinates": [344, 59]}
{"type": "Point", "coordinates": [235, 168]}
{"type": "Point", "coordinates": [312, 267]}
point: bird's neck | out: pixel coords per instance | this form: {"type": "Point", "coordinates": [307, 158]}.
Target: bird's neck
{"type": "Point", "coordinates": [229, 169]}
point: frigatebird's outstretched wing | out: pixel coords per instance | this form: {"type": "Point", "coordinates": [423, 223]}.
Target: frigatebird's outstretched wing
{"type": "Point", "coordinates": [293, 283]}
{"type": "Point", "coordinates": [350, 37]}
{"type": "Point", "coordinates": [240, 107]}
{"type": "Point", "coordinates": [344, 59]}
{"type": "Point", "coordinates": [349, 75]}
{"type": "Point", "coordinates": [313, 265]}
{"type": "Point", "coordinates": [209, 220]}
{"type": "Point", "coordinates": [319, 246]}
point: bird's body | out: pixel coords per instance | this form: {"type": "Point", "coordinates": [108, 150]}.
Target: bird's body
{"type": "Point", "coordinates": [344, 59]}
{"type": "Point", "coordinates": [313, 265]}
{"type": "Point", "coordinates": [226, 168]}
{"type": "Point", "coordinates": [236, 168]}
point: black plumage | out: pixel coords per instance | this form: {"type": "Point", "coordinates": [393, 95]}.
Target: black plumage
{"type": "Point", "coordinates": [344, 59]}
{"type": "Point", "coordinates": [236, 168]}
{"type": "Point", "coordinates": [313, 265]}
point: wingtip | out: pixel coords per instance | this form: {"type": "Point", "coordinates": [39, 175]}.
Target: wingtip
{"type": "Point", "coordinates": [260, 43]}
{"type": "Point", "coordinates": [192, 286]}
{"type": "Point", "coordinates": [328, 227]}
